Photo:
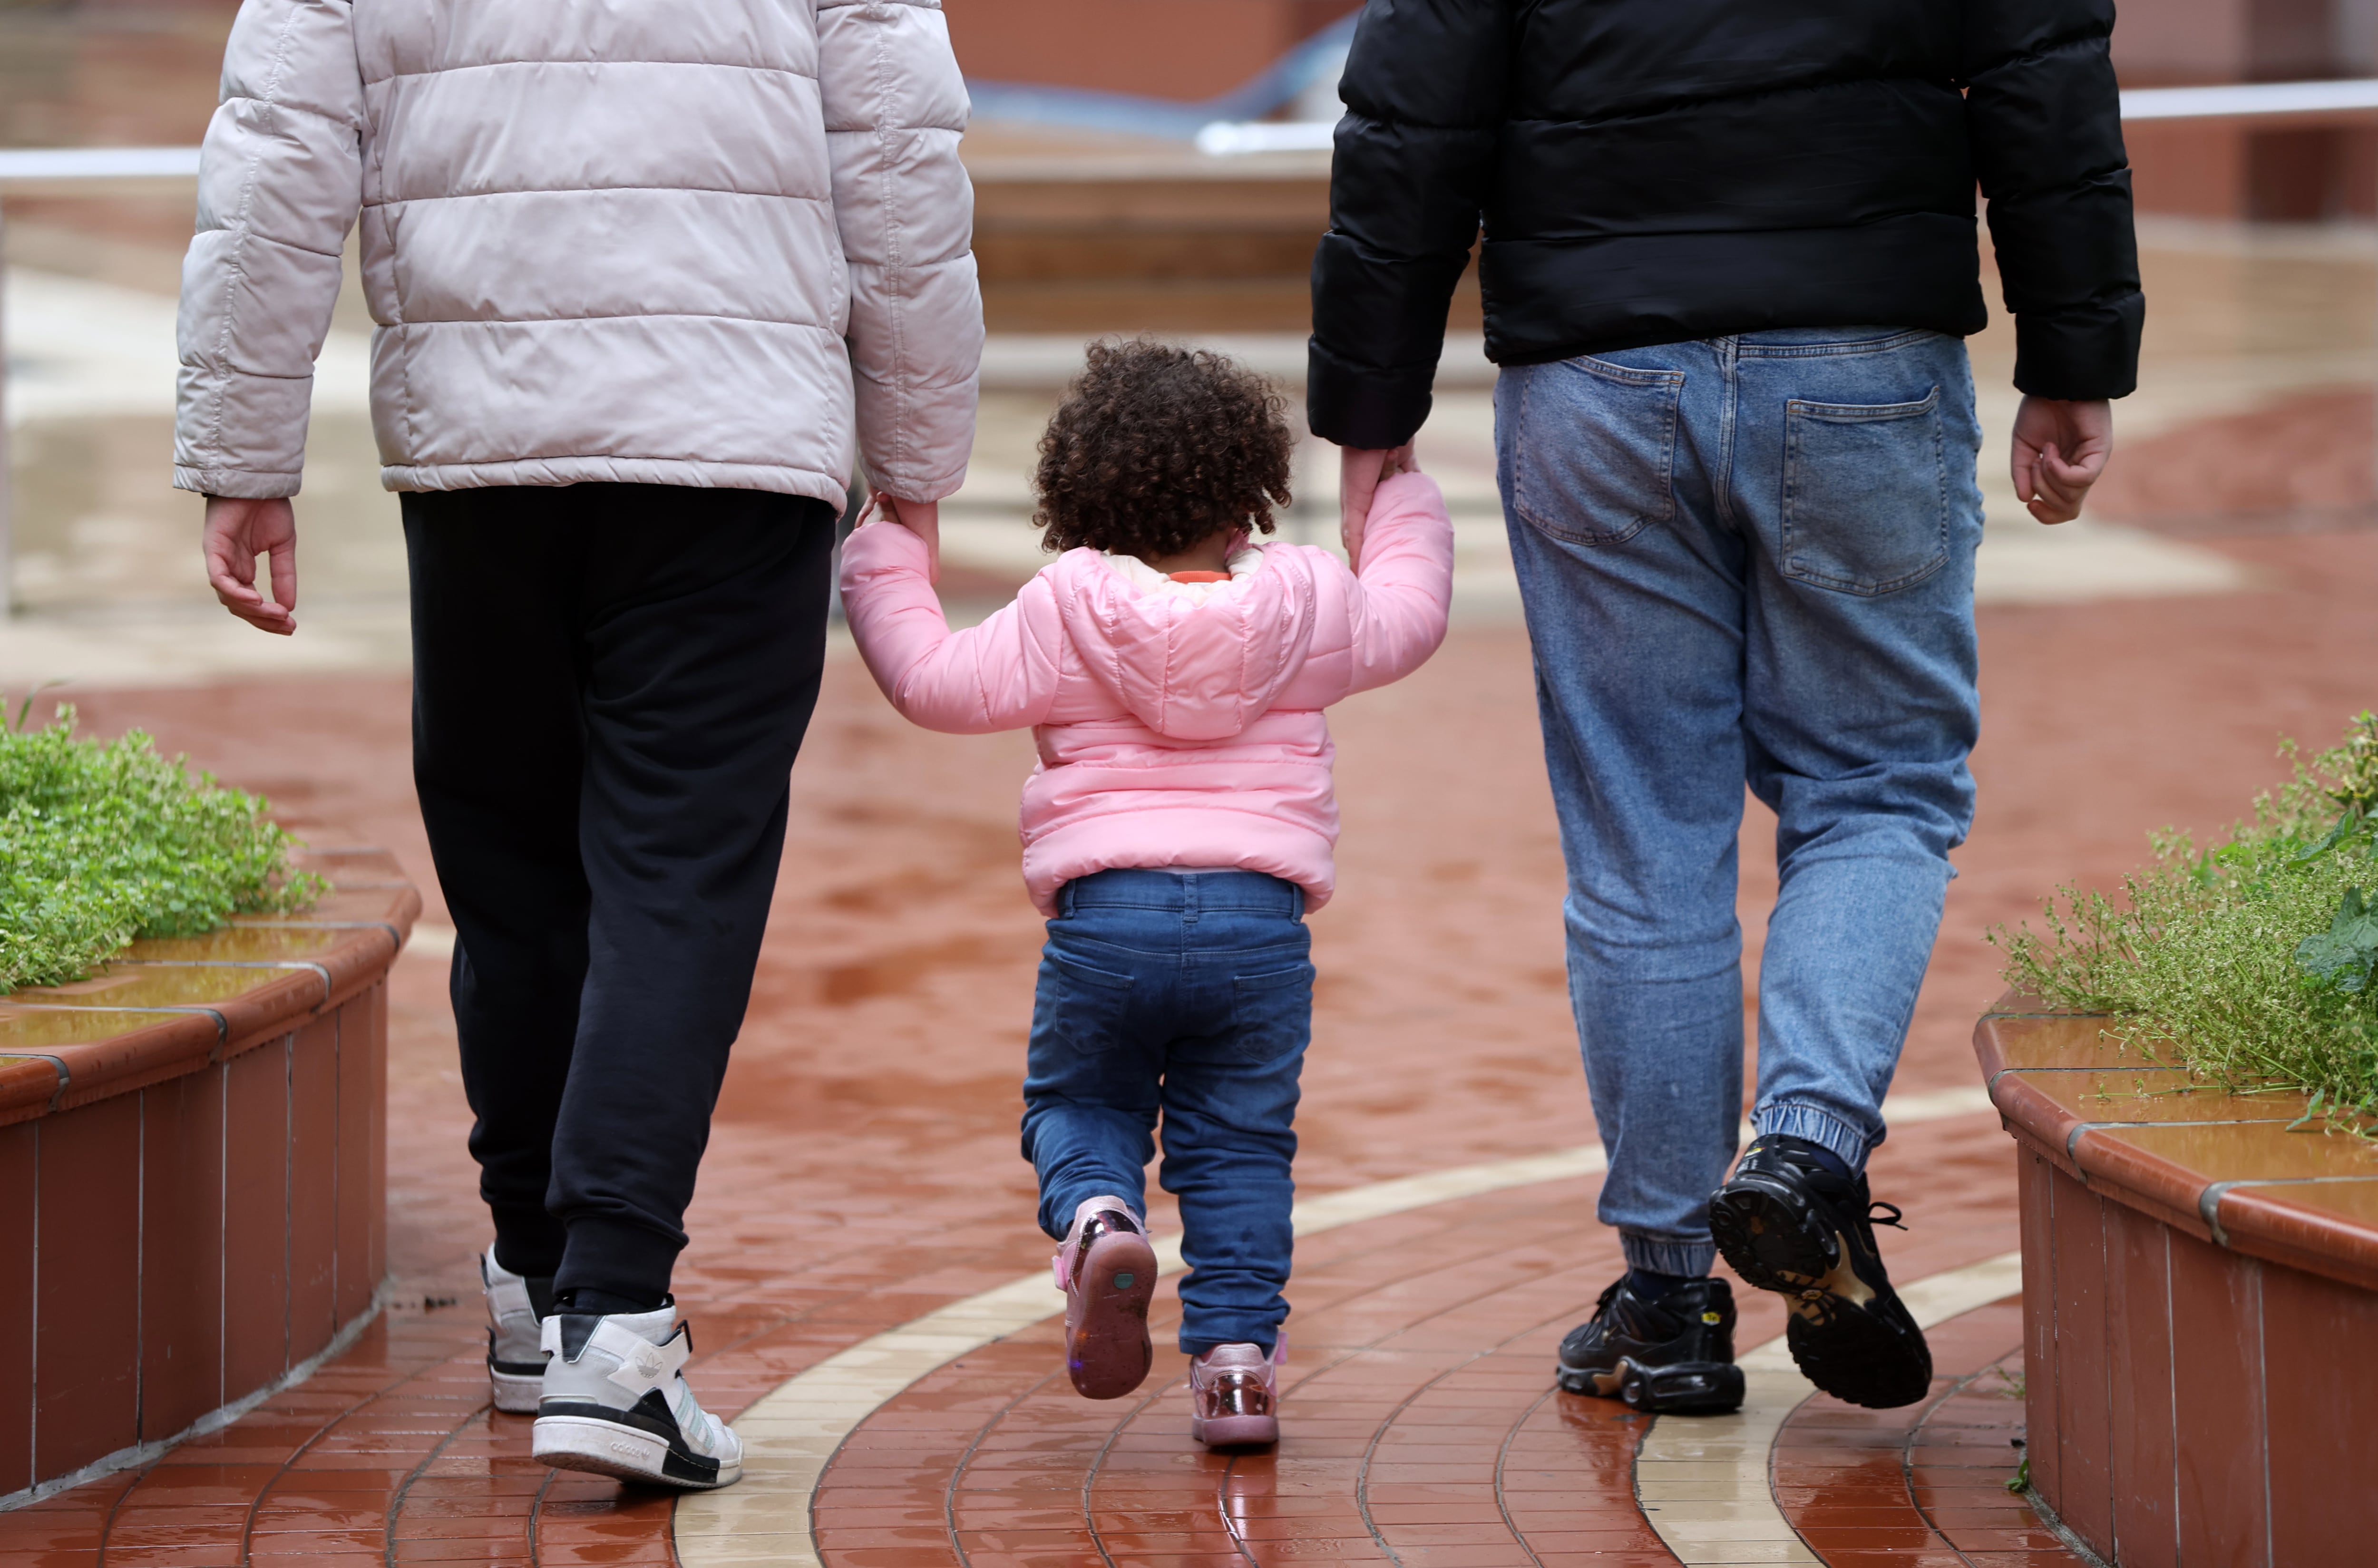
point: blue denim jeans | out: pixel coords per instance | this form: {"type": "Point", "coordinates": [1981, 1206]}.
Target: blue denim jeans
{"type": "Point", "coordinates": [1184, 996]}
{"type": "Point", "coordinates": [1746, 558]}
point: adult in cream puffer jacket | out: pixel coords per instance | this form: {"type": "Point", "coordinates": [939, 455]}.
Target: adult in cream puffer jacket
{"type": "Point", "coordinates": [650, 276]}
{"type": "Point", "coordinates": [602, 240]}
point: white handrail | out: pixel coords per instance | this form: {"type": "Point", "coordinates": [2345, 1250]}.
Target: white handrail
{"type": "Point", "coordinates": [2246, 100]}
{"type": "Point", "coordinates": [1223, 139]}
{"type": "Point", "coordinates": [29, 165]}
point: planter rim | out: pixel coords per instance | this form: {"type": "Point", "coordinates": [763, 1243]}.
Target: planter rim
{"type": "Point", "coordinates": [2222, 1166]}
{"type": "Point", "coordinates": [173, 1005]}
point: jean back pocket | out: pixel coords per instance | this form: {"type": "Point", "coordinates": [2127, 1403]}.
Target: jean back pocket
{"type": "Point", "coordinates": [1589, 455]}
{"type": "Point", "coordinates": [1084, 1006]}
{"type": "Point", "coordinates": [1866, 495]}
{"type": "Point", "coordinates": [1271, 1013]}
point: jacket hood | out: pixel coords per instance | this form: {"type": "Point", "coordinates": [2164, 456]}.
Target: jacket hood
{"type": "Point", "coordinates": [1191, 667]}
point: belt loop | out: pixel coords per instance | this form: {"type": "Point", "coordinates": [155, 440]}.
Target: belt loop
{"type": "Point", "coordinates": [1189, 897]}
{"type": "Point", "coordinates": [1065, 898]}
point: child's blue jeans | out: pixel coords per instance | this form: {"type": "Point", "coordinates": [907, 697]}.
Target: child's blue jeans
{"type": "Point", "coordinates": [1186, 996]}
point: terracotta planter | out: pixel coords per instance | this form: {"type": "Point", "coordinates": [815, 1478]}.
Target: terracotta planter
{"type": "Point", "coordinates": [2201, 1306]}
{"type": "Point", "coordinates": [193, 1148]}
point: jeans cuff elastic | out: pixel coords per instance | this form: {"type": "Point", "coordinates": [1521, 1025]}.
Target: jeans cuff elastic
{"type": "Point", "coordinates": [626, 1260]}
{"type": "Point", "coordinates": [1816, 1125]}
{"type": "Point", "coordinates": [1666, 1254]}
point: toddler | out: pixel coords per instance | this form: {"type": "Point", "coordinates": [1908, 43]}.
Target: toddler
{"type": "Point", "coordinates": [1178, 828]}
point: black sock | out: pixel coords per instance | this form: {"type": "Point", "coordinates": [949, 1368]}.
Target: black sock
{"type": "Point", "coordinates": [1650, 1286]}
{"type": "Point", "coordinates": [1833, 1163]}
{"type": "Point", "coordinates": [589, 1302]}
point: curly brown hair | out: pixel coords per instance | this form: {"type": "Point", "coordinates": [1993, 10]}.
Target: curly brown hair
{"type": "Point", "coordinates": [1156, 449]}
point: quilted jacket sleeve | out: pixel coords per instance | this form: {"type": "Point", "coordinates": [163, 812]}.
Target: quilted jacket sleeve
{"type": "Point", "coordinates": [280, 182]}
{"type": "Point", "coordinates": [2044, 119]}
{"type": "Point", "coordinates": [1000, 674]}
{"type": "Point", "coordinates": [1407, 581]}
{"type": "Point", "coordinates": [895, 108]}
{"type": "Point", "coordinates": [1423, 91]}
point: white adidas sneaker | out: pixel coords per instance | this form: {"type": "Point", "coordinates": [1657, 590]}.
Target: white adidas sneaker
{"type": "Point", "coordinates": [515, 1362]}
{"type": "Point", "coordinates": [615, 1404]}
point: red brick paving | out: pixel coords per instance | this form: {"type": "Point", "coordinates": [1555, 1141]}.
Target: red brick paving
{"type": "Point", "coordinates": [1925, 1485]}
{"type": "Point", "coordinates": [875, 1088]}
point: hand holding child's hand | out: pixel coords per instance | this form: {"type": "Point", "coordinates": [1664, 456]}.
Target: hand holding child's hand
{"type": "Point", "coordinates": [2059, 450]}
{"type": "Point", "coordinates": [922, 519]}
{"type": "Point", "coordinates": [1360, 470]}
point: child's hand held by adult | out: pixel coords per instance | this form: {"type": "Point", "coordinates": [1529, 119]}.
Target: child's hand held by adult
{"type": "Point", "coordinates": [1360, 470]}
{"type": "Point", "coordinates": [2060, 449]}
{"type": "Point", "coordinates": [238, 531]}
{"type": "Point", "coordinates": [922, 519]}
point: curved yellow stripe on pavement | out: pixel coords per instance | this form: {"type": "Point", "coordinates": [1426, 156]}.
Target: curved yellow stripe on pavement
{"type": "Point", "coordinates": [791, 1432]}
{"type": "Point", "coordinates": [1702, 1480]}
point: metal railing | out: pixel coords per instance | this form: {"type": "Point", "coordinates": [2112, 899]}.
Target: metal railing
{"type": "Point", "coordinates": [52, 167]}
{"type": "Point", "coordinates": [2293, 100]}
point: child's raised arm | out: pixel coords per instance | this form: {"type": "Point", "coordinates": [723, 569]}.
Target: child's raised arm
{"type": "Point", "coordinates": [1407, 580]}
{"type": "Point", "coordinates": [998, 676]}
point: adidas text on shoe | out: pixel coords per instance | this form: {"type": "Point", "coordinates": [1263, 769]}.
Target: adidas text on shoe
{"type": "Point", "coordinates": [1787, 1224]}
{"type": "Point", "coordinates": [1107, 1272]}
{"type": "Point", "coordinates": [1672, 1356]}
{"type": "Point", "coordinates": [515, 1362]}
{"type": "Point", "coordinates": [616, 1403]}
{"type": "Point", "coordinates": [1234, 1396]}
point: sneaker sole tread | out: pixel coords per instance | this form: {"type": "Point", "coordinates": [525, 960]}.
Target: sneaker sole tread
{"type": "Point", "coordinates": [515, 1394]}
{"type": "Point", "coordinates": [608, 1448]}
{"type": "Point", "coordinates": [1680, 1388]}
{"type": "Point", "coordinates": [1870, 1354]}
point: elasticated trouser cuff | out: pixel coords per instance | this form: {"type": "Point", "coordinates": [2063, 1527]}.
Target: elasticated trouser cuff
{"type": "Point", "coordinates": [1818, 1126]}
{"type": "Point", "coordinates": [623, 1259]}
{"type": "Point", "coordinates": [1667, 1254]}
{"type": "Point", "coordinates": [528, 1240]}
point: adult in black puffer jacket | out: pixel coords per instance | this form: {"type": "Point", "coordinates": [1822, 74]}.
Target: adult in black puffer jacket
{"type": "Point", "coordinates": [1650, 172]}
{"type": "Point", "coordinates": [1730, 259]}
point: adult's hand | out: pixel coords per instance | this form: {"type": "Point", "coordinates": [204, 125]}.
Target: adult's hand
{"type": "Point", "coordinates": [2060, 449]}
{"type": "Point", "coordinates": [922, 519]}
{"type": "Point", "coordinates": [1360, 468]}
{"type": "Point", "coordinates": [238, 530]}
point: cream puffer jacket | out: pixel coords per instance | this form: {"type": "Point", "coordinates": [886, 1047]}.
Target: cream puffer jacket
{"type": "Point", "coordinates": [642, 240]}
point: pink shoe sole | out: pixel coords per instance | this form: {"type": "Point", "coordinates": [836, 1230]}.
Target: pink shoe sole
{"type": "Point", "coordinates": [1235, 1432]}
{"type": "Point", "coordinates": [1106, 1352]}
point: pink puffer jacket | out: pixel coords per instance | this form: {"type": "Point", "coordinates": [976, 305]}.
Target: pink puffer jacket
{"type": "Point", "coordinates": [1173, 730]}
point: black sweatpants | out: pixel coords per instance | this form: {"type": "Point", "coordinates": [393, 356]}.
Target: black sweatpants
{"type": "Point", "coordinates": [609, 685]}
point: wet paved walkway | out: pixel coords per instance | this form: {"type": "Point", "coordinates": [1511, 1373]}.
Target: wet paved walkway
{"type": "Point", "coordinates": [873, 1097]}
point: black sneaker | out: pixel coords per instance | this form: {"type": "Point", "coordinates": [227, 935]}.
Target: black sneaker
{"type": "Point", "coordinates": [1671, 1357]}
{"type": "Point", "coordinates": [1784, 1223]}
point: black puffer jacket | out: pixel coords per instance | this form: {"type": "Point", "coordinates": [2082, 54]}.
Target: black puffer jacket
{"type": "Point", "coordinates": [1652, 170]}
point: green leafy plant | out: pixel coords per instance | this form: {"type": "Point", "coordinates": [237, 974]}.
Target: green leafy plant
{"type": "Point", "coordinates": [2253, 963]}
{"type": "Point", "coordinates": [103, 842]}
{"type": "Point", "coordinates": [2346, 956]}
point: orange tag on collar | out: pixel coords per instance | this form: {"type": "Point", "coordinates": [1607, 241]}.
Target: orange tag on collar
{"type": "Point", "coordinates": [1200, 577]}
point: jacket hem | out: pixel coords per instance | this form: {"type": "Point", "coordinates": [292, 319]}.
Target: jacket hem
{"type": "Point", "coordinates": [1293, 854]}
{"type": "Point", "coordinates": [690, 473]}
{"type": "Point", "coordinates": [1550, 300]}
